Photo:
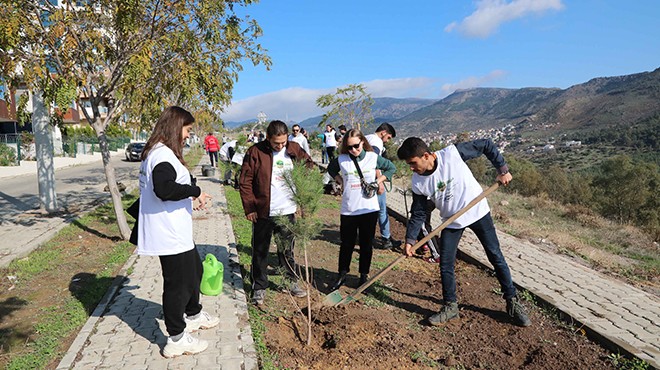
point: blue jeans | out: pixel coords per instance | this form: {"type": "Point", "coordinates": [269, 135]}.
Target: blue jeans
{"type": "Point", "coordinates": [383, 218]}
{"type": "Point", "coordinates": [485, 231]}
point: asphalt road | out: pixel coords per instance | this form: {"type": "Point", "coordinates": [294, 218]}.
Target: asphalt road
{"type": "Point", "coordinates": [23, 226]}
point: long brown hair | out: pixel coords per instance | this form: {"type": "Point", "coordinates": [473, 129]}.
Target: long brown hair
{"type": "Point", "coordinates": [168, 131]}
{"type": "Point", "coordinates": [343, 149]}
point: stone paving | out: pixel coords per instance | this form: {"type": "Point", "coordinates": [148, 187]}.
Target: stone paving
{"type": "Point", "coordinates": [129, 332]}
{"type": "Point", "coordinates": [618, 313]}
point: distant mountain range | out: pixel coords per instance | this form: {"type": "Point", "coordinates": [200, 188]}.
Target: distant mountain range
{"type": "Point", "coordinates": [599, 103]}
{"type": "Point", "coordinates": [384, 110]}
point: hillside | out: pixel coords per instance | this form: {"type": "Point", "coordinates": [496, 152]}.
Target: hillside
{"type": "Point", "coordinates": [383, 110]}
{"type": "Point", "coordinates": [598, 103]}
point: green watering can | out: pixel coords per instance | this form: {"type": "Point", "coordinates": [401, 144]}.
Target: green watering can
{"type": "Point", "coordinates": [212, 277]}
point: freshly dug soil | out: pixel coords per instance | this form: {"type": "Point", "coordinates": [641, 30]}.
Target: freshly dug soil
{"type": "Point", "coordinates": [387, 327]}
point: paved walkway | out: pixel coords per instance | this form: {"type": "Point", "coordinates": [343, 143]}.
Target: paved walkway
{"type": "Point", "coordinates": [616, 312]}
{"type": "Point", "coordinates": [128, 332]}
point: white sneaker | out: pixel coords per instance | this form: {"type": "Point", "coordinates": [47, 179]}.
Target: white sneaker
{"type": "Point", "coordinates": [186, 345]}
{"type": "Point", "coordinates": [203, 321]}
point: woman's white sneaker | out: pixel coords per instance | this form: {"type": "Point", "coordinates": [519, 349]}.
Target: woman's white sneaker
{"type": "Point", "coordinates": [203, 320]}
{"type": "Point", "coordinates": [186, 345]}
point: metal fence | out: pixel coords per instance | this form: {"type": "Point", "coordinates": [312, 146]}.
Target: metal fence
{"type": "Point", "coordinates": [83, 145]}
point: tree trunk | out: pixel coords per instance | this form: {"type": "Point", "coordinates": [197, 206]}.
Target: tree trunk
{"type": "Point", "coordinates": [309, 300]}
{"type": "Point", "coordinates": [112, 183]}
{"type": "Point", "coordinates": [43, 139]}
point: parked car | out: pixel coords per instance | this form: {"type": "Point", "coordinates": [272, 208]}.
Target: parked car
{"type": "Point", "coordinates": [134, 151]}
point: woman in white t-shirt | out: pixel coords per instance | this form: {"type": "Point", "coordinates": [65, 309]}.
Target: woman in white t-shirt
{"type": "Point", "coordinates": [167, 191]}
{"type": "Point", "coordinates": [330, 142]}
{"type": "Point", "coordinates": [359, 211]}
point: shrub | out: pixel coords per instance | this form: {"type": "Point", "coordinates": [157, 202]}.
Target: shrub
{"type": "Point", "coordinates": [7, 155]}
{"type": "Point", "coordinates": [527, 179]}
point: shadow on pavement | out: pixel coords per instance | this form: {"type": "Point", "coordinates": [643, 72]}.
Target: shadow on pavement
{"type": "Point", "coordinates": [140, 315]}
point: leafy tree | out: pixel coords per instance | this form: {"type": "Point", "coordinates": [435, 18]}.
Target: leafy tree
{"type": "Point", "coordinates": [527, 179]}
{"type": "Point", "coordinates": [556, 183]}
{"type": "Point", "coordinates": [627, 191]}
{"type": "Point", "coordinates": [480, 169]}
{"type": "Point", "coordinates": [349, 105]}
{"type": "Point", "coordinates": [136, 57]}
{"type": "Point", "coordinates": [462, 137]}
{"type": "Point", "coordinates": [581, 191]}
{"type": "Point", "coordinates": [7, 155]}
{"type": "Point", "coordinates": [435, 145]}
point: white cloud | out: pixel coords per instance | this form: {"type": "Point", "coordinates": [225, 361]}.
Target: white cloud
{"type": "Point", "coordinates": [473, 81]}
{"type": "Point", "coordinates": [295, 103]}
{"type": "Point", "coordinates": [298, 103]}
{"type": "Point", "coordinates": [490, 14]}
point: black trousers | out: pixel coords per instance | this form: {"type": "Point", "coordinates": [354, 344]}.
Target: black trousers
{"type": "Point", "coordinates": [348, 230]}
{"type": "Point", "coordinates": [262, 232]}
{"type": "Point", "coordinates": [182, 274]}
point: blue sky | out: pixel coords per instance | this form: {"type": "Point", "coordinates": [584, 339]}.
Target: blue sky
{"type": "Point", "coordinates": [430, 48]}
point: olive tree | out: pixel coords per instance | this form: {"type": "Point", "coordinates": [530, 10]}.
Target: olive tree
{"type": "Point", "coordinates": [130, 57]}
{"type": "Point", "coordinates": [350, 105]}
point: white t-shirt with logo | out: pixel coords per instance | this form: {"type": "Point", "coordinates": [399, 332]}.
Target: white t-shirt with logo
{"type": "Point", "coordinates": [281, 197]}
{"type": "Point", "coordinates": [353, 203]}
{"type": "Point", "coordinates": [301, 140]}
{"type": "Point", "coordinates": [165, 227]}
{"type": "Point", "coordinates": [376, 142]}
{"type": "Point", "coordinates": [330, 139]}
{"type": "Point", "coordinates": [451, 187]}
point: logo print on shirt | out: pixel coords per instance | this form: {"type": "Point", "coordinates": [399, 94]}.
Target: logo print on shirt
{"type": "Point", "coordinates": [449, 193]}
{"type": "Point", "coordinates": [279, 163]}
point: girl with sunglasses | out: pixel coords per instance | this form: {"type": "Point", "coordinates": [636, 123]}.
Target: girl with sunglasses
{"type": "Point", "coordinates": [357, 163]}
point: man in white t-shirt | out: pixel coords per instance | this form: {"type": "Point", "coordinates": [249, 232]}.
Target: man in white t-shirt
{"type": "Point", "coordinates": [265, 195]}
{"type": "Point", "coordinates": [445, 179]}
{"type": "Point", "coordinates": [227, 150]}
{"type": "Point", "coordinates": [298, 137]}
{"type": "Point", "coordinates": [384, 133]}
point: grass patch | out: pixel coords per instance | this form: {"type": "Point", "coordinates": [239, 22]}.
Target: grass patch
{"type": "Point", "coordinates": [83, 259]}
{"type": "Point", "coordinates": [243, 234]}
{"type": "Point", "coordinates": [603, 244]}
{"type": "Point", "coordinates": [377, 295]}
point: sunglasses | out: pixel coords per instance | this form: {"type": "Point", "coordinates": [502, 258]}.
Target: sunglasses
{"type": "Point", "coordinates": [296, 130]}
{"type": "Point", "coordinates": [356, 146]}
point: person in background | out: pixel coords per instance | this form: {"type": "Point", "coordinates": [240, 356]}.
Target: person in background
{"type": "Point", "coordinates": [165, 229]}
{"type": "Point", "coordinates": [324, 152]}
{"type": "Point", "coordinates": [330, 142]}
{"type": "Point", "coordinates": [384, 133]}
{"type": "Point", "coordinates": [266, 196]}
{"type": "Point", "coordinates": [298, 137]}
{"type": "Point", "coordinates": [359, 212]}
{"type": "Point", "coordinates": [340, 135]}
{"type": "Point", "coordinates": [227, 150]}
{"type": "Point", "coordinates": [212, 147]}
{"type": "Point", "coordinates": [445, 178]}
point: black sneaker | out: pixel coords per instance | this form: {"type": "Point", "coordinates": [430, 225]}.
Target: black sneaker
{"type": "Point", "coordinates": [390, 243]}
{"type": "Point", "coordinates": [516, 310]}
{"type": "Point", "coordinates": [447, 312]}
